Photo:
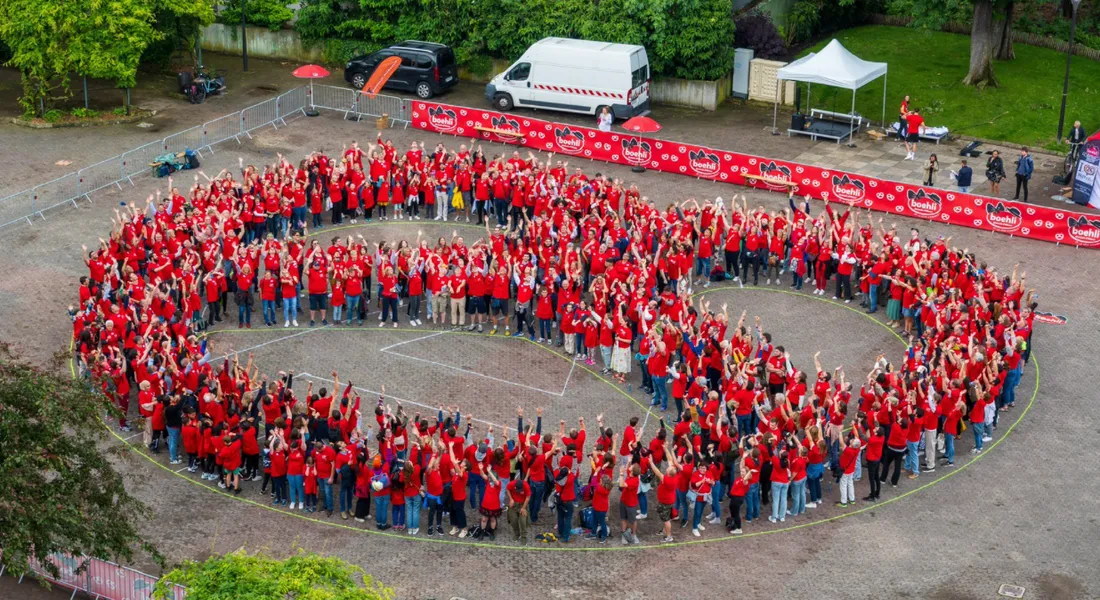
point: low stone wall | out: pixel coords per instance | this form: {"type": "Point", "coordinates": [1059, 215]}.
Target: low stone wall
{"type": "Point", "coordinates": [262, 43]}
{"type": "Point", "coordinates": [690, 92]}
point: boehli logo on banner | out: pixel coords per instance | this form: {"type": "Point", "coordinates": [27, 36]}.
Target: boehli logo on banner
{"type": "Point", "coordinates": [848, 189]}
{"type": "Point", "coordinates": [570, 141]}
{"type": "Point", "coordinates": [636, 152]}
{"type": "Point", "coordinates": [443, 119]}
{"type": "Point", "coordinates": [925, 204]}
{"type": "Point", "coordinates": [705, 164]}
{"type": "Point", "coordinates": [1084, 231]}
{"type": "Point", "coordinates": [780, 175]}
{"type": "Point", "coordinates": [1006, 219]}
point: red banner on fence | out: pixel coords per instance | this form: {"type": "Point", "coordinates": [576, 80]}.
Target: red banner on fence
{"type": "Point", "coordinates": [930, 204]}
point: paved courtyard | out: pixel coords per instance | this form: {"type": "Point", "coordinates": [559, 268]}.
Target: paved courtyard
{"type": "Point", "coordinates": [1024, 513]}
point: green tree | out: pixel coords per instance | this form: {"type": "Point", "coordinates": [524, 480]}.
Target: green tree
{"type": "Point", "coordinates": [180, 22]}
{"type": "Point", "coordinates": [239, 576]}
{"type": "Point", "coordinates": [986, 40]}
{"type": "Point", "coordinates": [51, 40]}
{"type": "Point", "coordinates": [60, 493]}
{"type": "Point", "coordinates": [272, 14]}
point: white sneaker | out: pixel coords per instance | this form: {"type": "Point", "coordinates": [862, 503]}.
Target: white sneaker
{"type": "Point", "coordinates": [641, 516]}
{"type": "Point", "coordinates": [714, 520]}
{"type": "Point", "coordinates": [382, 324]}
{"type": "Point", "coordinates": [695, 532]}
{"type": "Point", "coordinates": [294, 322]}
{"type": "Point", "coordinates": [768, 281]}
{"type": "Point", "coordinates": [413, 323]}
{"type": "Point", "coordinates": [286, 324]}
{"type": "Point", "coordinates": [701, 527]}
{"type": "Point", "coordinates": [736, 532]}
{"type": "Point", "coordinates": [454, 530]}
{"type": "Point", "coordinates": [986, 438]}
{"type": "Point", "coordinates": [301, 506]}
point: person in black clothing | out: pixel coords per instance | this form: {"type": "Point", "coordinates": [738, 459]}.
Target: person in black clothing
{"type": "Point", "coordinates": [173, 422]}
{"type": "Point", "coordinates": [995, 173]}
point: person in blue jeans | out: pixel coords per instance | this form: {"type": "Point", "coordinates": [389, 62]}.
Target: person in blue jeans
{"type": "Point", "coordinates": [381, 495]}
{"type": "Point", "coordinates": [538, 488]}
{"type": "Point", "coordinates": [476, 483]}
{"type": "Point", "coordinates": [779, 488]}
{"type": "Point", "coordinates": [752, 503]}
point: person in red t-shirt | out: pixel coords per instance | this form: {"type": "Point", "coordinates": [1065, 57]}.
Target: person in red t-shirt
{"type": "Point", "coordinates": [915, 124]}
{"type": "Point", "coordinates": [849, 456]}
{"type": "Point", "coordinates": [667, 485]}
{"type": "Point", "coordinates": [628, 502]}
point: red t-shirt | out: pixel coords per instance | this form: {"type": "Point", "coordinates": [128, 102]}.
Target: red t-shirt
{"type": "Point", "coordinates": [630, 492]}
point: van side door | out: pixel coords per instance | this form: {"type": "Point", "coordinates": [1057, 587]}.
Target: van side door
{"type": "Point", "coordinates": [405, 76]}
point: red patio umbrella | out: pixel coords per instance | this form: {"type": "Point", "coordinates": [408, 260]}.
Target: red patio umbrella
{"type": "Point", "coordinates": [310, 72]}
{"type": "Point", "coordinates": [642, 125]}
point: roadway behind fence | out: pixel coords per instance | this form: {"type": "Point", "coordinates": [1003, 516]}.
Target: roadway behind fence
{"type": "Point", "coordinates": [72, 188]}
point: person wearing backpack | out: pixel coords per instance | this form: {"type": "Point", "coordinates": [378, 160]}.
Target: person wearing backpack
{"type": "Point", "coordinates": [1025, 166]}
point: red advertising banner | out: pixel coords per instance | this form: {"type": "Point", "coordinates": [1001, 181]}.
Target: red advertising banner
{"type": "Point", "coordinates": [930, 204]}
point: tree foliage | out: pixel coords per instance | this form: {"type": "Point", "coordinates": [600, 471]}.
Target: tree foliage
{"type": "Point", "coordinates": [60, 493]}
{"type": "Point", "coordinates": [239, 576]}
{"type": "Point", "coordinates": [50, 41]}
{"type": "Point", "coordinates": [684, 38]}
{"type": "Point", "coordinates": [180, 22]}
{"type": "Point", "coordinates": [272, 14]}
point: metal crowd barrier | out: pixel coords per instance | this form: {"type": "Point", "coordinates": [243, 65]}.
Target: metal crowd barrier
{"type": "Point", "coordinates": [25, 205]}
{"type": "Point", "coordinates": [98, 579]}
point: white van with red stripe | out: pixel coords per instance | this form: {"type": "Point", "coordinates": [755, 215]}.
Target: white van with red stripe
{"type": "Point", "coordinates": [576, 76]}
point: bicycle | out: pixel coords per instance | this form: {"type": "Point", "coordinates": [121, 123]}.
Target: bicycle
{"type": "Point", "coordinates": [1071, 158]}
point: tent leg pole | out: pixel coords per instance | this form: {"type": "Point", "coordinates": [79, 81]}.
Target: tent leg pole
{"type": "Point", "coordinates": [884, 101]}
{"type": "Point", "coordinates": [851, 122]}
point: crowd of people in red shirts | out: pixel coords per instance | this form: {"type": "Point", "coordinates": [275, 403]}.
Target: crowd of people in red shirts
{"type": "Point", "coordinates": [575, 261]}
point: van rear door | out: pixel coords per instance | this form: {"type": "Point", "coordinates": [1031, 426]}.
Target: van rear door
{"type": "Point", "coordinates": [448, 68]}
{"type": "Point", "coordinates": [639, 79]}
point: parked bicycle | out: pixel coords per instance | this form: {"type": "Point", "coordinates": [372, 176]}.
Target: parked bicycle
{"type": "Point", "coordinates": [200, 84]}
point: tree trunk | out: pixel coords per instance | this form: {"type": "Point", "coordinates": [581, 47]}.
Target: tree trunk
{"type": "Point", "coordinates": [1005, 51]}
{"type": "Point", "coordinates": [738, 12]}
{"type": "Point", "coordinates": [981, 46]}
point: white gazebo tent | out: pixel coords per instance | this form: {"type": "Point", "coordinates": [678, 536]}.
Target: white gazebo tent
{"type": "Point", "coordinates": [835, 66]}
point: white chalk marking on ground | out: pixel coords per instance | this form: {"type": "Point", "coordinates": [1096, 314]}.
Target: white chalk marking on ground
{"type": "Point", "coordinates": [276, 340]}
{"type": "Point", "coordinates": [644, 421]}
{"type": "Point", "coordinates": [181, 470]}
{"type": "Point", "coordinates": [469, 372]}
{"type": "Point", "coordinates": [567, 377]}
{"type": "Point", "coordinates": [336, 393]}
{"type": "Point", "coordinates": [426, 337]}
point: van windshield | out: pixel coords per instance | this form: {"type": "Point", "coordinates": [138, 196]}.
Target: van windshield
{"type": "Point", "coordinates": [446, 57]}
{"type": "Point", "coordinates": [639, 76]}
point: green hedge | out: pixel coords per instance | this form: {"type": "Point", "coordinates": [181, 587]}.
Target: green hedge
{"type": "Point", "coordinates": [691, 39]}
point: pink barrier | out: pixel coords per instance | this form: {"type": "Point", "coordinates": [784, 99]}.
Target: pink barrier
{"type": "Point", "coordinates": [930, 204]}
{"type": "Point", "coordinates": [101, 578]}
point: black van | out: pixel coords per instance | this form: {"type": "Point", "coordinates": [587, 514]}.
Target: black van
{"type": "Point", "coordinates": [426, 68]}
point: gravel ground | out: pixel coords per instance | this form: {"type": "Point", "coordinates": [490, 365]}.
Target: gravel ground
{"type": "Point", "coordinates": [955, 536]}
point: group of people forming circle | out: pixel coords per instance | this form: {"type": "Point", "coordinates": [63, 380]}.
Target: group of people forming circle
{"type": "Point", "coordinates": [581, 262]}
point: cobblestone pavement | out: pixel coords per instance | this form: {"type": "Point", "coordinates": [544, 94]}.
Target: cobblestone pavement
{"type": "Point", "coordinates": [1024, 513]}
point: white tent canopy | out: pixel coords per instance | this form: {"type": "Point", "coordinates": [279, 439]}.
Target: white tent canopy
{"type": "Point", "coordinates": [835, 66]}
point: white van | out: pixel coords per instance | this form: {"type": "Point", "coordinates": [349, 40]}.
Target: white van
{"type": "Point", "coordinates": [576, 76]}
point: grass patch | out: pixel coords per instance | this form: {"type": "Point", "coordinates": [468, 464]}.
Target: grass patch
{"type": "Point", "coordinates": [930, 66]}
